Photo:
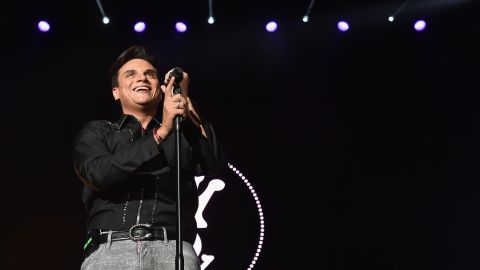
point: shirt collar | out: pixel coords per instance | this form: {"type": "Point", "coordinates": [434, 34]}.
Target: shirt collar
{"type": "Point", "coordinates": [128, 120]}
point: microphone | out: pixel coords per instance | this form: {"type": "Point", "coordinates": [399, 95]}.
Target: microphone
{"type": "Point", "coordinates": [177, 72]}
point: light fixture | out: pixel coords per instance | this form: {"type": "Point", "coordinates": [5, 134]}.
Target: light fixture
{"type": "Point", "coordinates": [105, 19]}
{"type": "Point", "coordinates": [306, 17]}
{"type": "Point", "coordinates": [343, 26]}
{"type": "Point", "coordinates": [392, 17]}
{"type": "Point", "coordinates": [211, 20]}
{"type": "Point", "coordinates": [181, 27]}
{"type": "Point", "coordinates": [43, 26]}
{"type": "Point", "coordinates": [271, 26]}
{"type": "Point", "coordinates": [420, 25]}
{"type": "Point", "coordinates": [139, 27]}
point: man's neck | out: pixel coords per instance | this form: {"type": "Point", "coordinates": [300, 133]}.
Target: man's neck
{"type": "Point", "coordinates": [143, 117]}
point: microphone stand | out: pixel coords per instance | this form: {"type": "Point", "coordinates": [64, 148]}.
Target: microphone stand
{"type": "Point", "coordinates": [179, 243]}
{"type": "Point", "coordinates": [177, 72]}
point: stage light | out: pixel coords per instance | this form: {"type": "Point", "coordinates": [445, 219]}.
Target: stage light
{"type": "Point", "coordinates": [43, 26]}
{"type": "Point", "coordinates": [402, 7]}
{"type": "Point", "coordinates": [420, 25]}
{"type": "Point", "coordinates": [105, 19]}
{"type": "Point", "coordinates": [211, 20]}
{"type": "Point", "coordinates": [260, 212]}
{"type": "Point", "coordinates": [343, 26]}
{"type": "Point", "coordinates": [180, 27]}
{"type": "Point", "coordinates": [139, 27]}
{"type": "Point", "coordinates": [271, 26]}
{"type": "Point", "coordinates": [306, 17]}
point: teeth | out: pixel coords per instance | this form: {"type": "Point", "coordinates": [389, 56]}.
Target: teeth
{"type": "Point", "coordinates": [141, 88]}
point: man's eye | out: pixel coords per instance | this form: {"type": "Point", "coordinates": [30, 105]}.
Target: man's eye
{"type": "Point", "coordinates": [151, 74]}
{"type": "Point", "coordinates": [129, 75]}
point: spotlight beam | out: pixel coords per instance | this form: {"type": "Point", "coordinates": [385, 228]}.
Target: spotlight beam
{"type": "Point", "coordinates": [210, 8]}
{"type": "Point", "coordinates": [100, 7]}
{"type": "Point", "coordinates": [307, 14]}
{"type": "Point", "coordinates": [310, 7]}
{"type": "Point", "coordinates": [401, 8]}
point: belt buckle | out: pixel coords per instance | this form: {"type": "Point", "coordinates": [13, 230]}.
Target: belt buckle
{"type": "Point", "coordinates": [142, 229]}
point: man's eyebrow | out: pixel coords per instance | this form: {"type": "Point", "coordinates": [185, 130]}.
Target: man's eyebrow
{"type": "Point", "coordinates": [129, 71]}
{"type": "Point", "coordinates": [151, 70]}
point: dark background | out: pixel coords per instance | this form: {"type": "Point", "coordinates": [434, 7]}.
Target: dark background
{"type": "Point", "coordinates": [361, 145]}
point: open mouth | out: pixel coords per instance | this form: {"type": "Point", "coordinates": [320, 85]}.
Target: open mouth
{"type": "Point", "coordinates": [142, 89]}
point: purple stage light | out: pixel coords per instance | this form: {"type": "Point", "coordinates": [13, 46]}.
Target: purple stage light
{"type": "Point", "coordinates": [343, 26]}
{"type": "Point", "coordinates": [180, 27]}
{"type": "Point", "coordinates": [420, 25]}
{"type": "Point", "coordinates": [43, 26]}
{"type": "Point", "coordinates": [271, 26]}
{"type": "Point", "coordinates": [139, 27]}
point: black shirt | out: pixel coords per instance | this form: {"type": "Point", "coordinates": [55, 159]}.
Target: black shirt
{"type": "Point", "coordinates": [130, 179]}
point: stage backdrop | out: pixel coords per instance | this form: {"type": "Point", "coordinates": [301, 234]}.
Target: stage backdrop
{"type": "Point", "coordinates": [361, 146]}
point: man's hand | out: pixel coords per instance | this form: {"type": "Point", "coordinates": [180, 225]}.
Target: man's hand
{"type": "Point", "coordinates": [173, 106]}
{"type": "Point", "coordinates": [183, 83]}
{"type": "Point", "coordinates": [190, 112]}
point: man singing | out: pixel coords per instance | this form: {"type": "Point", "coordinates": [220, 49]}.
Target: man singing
{"type": "Point", "coordinates": [128, 168]}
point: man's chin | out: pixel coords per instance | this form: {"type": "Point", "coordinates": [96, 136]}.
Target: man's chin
{"type": "Point", "coordinates": [144, 102]}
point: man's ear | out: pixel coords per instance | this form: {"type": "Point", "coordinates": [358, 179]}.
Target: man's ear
{"type": "Point", "coordinates": [116, 94]}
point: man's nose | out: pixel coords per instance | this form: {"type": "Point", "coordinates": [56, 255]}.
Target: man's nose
{"type": "Point", "coordinates": [142, 78]}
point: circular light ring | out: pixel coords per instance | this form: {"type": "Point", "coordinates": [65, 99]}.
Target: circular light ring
{"type": "Point", "coordinates": [260, 214]}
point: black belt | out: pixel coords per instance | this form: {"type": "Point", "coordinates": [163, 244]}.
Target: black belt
{"type": "Point", "coordinates": [138, 232]}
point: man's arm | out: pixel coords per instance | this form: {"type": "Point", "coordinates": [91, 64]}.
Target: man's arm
{"type": "Point", "coordinates": [208, 152]}
{"type": "Point", "coordinates": [100, 168]}
{"type": "Point", "coordinates": [208, 149]}
{"type": "Point", "coordinates": [213, 158]}
{"type": "Point", "coordinates": [194, 116]}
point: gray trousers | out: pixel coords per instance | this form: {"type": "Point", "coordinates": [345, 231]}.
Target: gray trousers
{"type": "Point", "coordinates": [141, 255]}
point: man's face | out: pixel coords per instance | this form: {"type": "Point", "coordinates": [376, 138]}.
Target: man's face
{"type": "Point", "coordinates": [138, 86]}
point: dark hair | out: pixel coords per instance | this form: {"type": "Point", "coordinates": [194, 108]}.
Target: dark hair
{"type": "Point", "coordinates": [134, 52]}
